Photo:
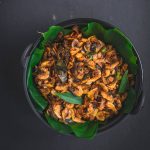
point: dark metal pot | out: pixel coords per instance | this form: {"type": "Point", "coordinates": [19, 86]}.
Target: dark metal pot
{"type": "Point", "coordinates": [138, 82]}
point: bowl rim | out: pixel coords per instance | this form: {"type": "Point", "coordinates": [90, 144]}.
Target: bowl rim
{"type": "Point", "coordinates": [83, 21]}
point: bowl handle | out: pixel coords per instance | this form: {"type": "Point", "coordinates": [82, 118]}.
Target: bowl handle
{"type": "Point", "coordinates": [139, 105]}
{"type": "Point", "coordinates": [25, 54]}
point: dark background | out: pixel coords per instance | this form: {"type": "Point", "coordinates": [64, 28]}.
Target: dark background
{"type": "Point", "coordinates": [19, 22]}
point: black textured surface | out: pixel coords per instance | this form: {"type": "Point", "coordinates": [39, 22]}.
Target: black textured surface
{"type": "Point", "coordinates": [19, 22]}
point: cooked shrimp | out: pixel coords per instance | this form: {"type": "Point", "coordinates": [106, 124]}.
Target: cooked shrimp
{"type": "Point", "coordinates": [107, 96]}
{"type": "Point", "coordinates": [57, 110]}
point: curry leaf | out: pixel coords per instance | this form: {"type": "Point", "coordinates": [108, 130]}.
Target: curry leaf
{"type": "Point", "coordinates": [124, 82]}
{"type": "Point", "coordinates": [130, 101]}
{"type": "Point", "coordinates": [56, 125]}
{"type": "Point", "coordinates": [69, 97]}
{"type": "Point", "coordinates": [86, 130]}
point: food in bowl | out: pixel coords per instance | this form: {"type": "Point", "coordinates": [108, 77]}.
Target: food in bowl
{"type": "Point", "coordinates": [87, 70]}
{"type": "Point", "coordinates": [81, 78]}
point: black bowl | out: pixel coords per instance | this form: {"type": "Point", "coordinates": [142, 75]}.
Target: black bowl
{"type": "Point", "coordinates": [138, 84]}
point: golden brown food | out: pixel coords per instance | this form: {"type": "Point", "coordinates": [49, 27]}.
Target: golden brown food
{"type": "Point", "coordinates": [86, 67]}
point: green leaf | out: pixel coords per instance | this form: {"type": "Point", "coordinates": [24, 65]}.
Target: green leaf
{"type": "Point", "coordinates": [123, 46]}
{"type": "Point", "coordinates": [116, 38]}
{"type": "Point", "coordinates": [87, 130]}
{"type": "Point", "coordinates": [130, 101]}
{"type": "Point", "coordinates": [69, 97]}
{"type": "Point", "coordinates": [51, 34]}
{"type": "Point", "coordinates": [35, 94]}
{"type": "Point", "coordinates": [38, 98]}
{"type": "Point", "coordinates": [58, 126]}
{"type": "Point", "coordinates": [94, 28]}
{"type": "Point", "coordinates": [67, 31]}
{"type": "Point", "coordinates": [34, 60]}
{"type": "Point", "coordinates": [124, 82]}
